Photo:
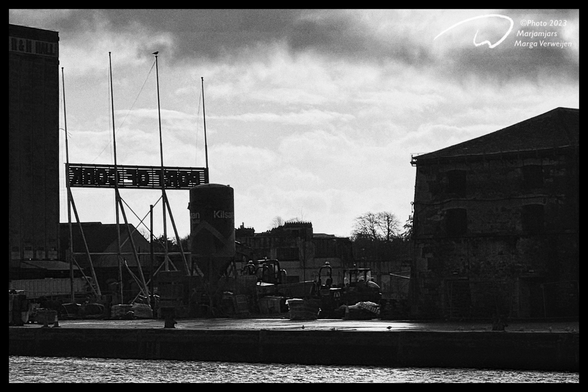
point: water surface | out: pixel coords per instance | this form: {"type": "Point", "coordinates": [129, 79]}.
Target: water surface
{"type": "Point", "coordinates": [24, 369]}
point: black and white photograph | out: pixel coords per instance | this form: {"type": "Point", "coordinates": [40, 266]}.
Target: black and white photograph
{"type": "Point", "coordinates": [293, 195]}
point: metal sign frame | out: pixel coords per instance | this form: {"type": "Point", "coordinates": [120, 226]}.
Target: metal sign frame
{"type": "Point", "coordinates": [134, 176]}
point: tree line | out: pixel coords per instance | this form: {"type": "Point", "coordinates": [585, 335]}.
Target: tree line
{"type": "Point", "coordinates": [380, 236]}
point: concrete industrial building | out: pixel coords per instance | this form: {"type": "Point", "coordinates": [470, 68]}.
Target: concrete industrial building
{"type": "Point", "coordinates": [496, 223]}
{"type": "Point", "coordinates": [33, 112]}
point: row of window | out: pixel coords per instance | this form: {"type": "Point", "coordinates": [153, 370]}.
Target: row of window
{"type": "Point", "coordinates": [457, 182]}
{"type": "Point", "coordinates": [28, 253]}
{"type": "Point", "coordinates": [532, 220]}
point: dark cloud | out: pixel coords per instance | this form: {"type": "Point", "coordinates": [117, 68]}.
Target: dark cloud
{"type": "Point", "coordinates": [208, 33]}
{"type": "Point", "coordinates": [342, 36]}
{"type": "Point", "coordinates": [196, 33]}
{"type": "Point", "coordinates": [512, 65]}
{"type": "Point", "coordinates": [213, 33]}
{"type": "Point", "coordinates": [229, 35]}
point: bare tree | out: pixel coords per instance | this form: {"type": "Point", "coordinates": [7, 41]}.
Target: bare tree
{"type": "Point", "coordinates": [277, 222]}
{"type": "Point", "coordinates": [378, 237]}
{"type": "Point", "coordinates": [381, 226]}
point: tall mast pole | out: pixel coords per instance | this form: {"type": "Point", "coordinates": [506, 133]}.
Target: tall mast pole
{"type": "Point", "coordinates": [116, 193]}
{"type": "Point", "coordinates": [161, 173]}
{"type": "Point", "coordinates": [67, 185]}
{"type": "Point", "coordinates": [151, 297]}
{"type": "Point", "coordinates": [205, 140]}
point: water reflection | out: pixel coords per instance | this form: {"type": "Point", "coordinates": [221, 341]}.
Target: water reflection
{"type": "Point", "coordinates": [99, 370]}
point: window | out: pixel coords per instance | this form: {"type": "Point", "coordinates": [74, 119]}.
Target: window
{"type": "Point", "coordinates": [456, 221]}
{"type": "Point", "coordinates": [15, 253]}
{"type": "Point", "coordinates": [532, 176]}
{"type": "Point", "coordinates": [456, 182]}
{"type": "Point", "coordinates": [532, 218]}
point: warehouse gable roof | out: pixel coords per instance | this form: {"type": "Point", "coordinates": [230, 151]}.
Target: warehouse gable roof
{"type": "Point", "coordinates": [556, 128]}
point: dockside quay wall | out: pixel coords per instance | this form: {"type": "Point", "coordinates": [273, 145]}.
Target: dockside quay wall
{"type": "Point", "coordinates": [499, 350]}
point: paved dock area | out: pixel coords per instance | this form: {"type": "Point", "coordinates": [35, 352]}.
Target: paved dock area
{"type": "Point", "coordinates": [284, 323]}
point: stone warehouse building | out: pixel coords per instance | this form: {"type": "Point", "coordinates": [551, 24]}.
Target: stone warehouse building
{"type": "Point", "coordinates": [496, 223]}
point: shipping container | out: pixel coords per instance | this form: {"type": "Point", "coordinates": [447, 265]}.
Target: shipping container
{"type": "Point", "coordinates": [50, 287]}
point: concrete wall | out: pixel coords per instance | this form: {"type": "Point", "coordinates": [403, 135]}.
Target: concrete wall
{"type": "Point", "coordinates": [545, 351]}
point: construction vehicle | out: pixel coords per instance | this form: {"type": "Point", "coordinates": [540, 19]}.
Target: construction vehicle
{"type": "Point", "coordinates": [269, 271]}
{"type": "Point", "coordinates": [357, 288]}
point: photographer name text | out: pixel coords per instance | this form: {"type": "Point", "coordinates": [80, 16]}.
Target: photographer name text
{"type": "Point", "coordinates": [547, 38]}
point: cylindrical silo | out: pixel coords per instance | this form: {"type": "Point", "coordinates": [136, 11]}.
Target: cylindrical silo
{"type": "Point", "coordinates": [212, 228]}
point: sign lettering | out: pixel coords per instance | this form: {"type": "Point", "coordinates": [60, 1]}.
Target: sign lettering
{"type": "Point", "coordinates": [135, 177]}
{"type": "Point", "coordinates": [32, 46]}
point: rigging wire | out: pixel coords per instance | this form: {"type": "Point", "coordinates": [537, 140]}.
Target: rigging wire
{"type": "Point", "coordinates": [137, 97]}
{"type": "Point", "coordinates": [109, 119]}
{"type": "Point", "coordinates": [128, 112]}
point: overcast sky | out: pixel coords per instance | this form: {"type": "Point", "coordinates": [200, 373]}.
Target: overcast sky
{"type": "Point", "coordinates": [310, 114]}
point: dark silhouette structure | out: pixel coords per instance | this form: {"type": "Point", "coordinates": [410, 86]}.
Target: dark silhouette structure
{"type": "Point", "coordinates": [496, 223]}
